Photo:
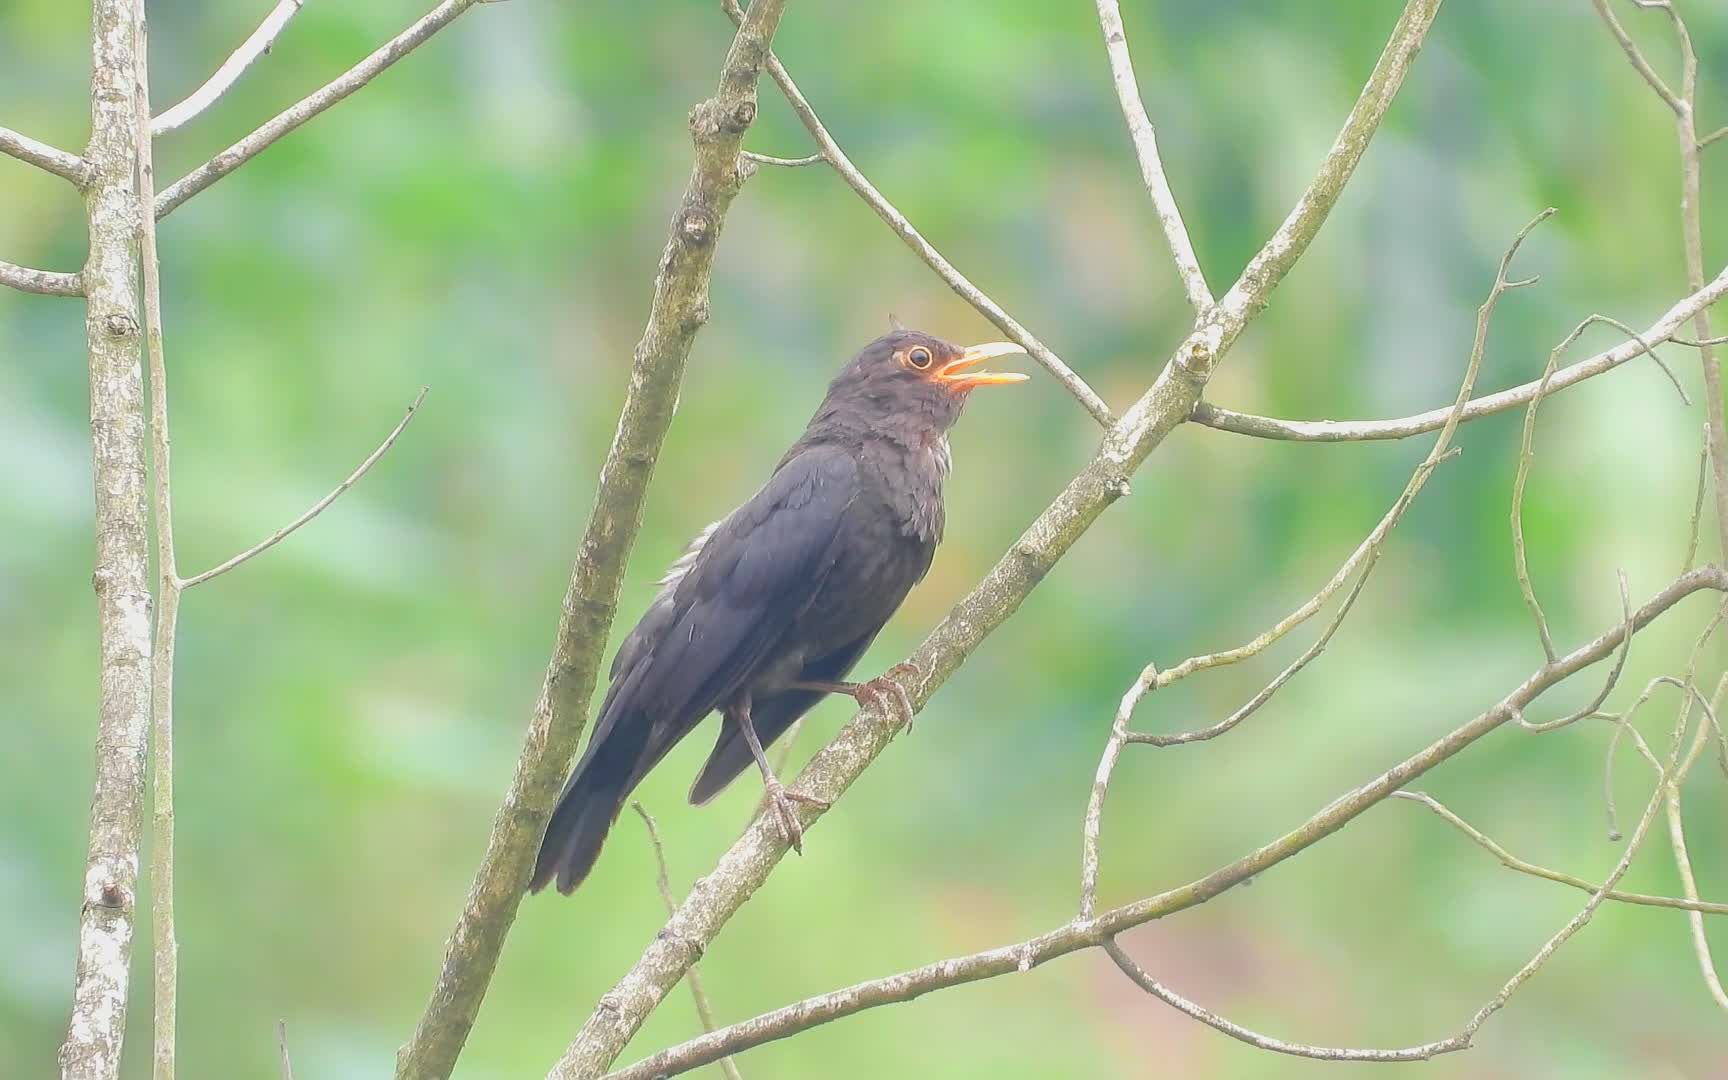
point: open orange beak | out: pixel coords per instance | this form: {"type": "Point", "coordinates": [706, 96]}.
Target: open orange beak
{"type": "Point", "coordinates": [955, 374]}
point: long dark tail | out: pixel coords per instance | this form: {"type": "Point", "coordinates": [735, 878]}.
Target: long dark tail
{"type": "Point", "coordinates": [590, 804]}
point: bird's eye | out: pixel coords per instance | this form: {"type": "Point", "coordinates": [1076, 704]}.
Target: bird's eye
{"type": "Point", "coordinates": [919, 357]}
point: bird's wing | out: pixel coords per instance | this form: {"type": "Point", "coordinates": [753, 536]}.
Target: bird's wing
{"type": "Point", "coordinates": [754, 576]}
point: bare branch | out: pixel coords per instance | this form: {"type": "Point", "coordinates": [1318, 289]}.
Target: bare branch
{"type": "Point", "coordinates": [1513, 862]}
{"type": "Point", "coordinates": [1697, 504]}
{"type": "Point", "coordinates": [1712, 137]}
{"type": "Point", "coordinates": [165, 942]}
{"type": "Point", "coordinates": [318, 507]}
{"type": "Point", "coordinates": [308, 107]}
{"type": "Point", "coordinates": [1608, 684]}
{"type": "Point", "coordinates": [49, 158]}
{"type": "Point", "coordinates": [44, 282]}
{"type": "Point", "coordinates": [285, 1065]}
{"type": "Point", "coordinates": [108, 899]}
{"type": "Point", "coordinates": [1266, 1042]}
{"type": "Point", "coordinates": [1084, 932]}
{"type": "Point", "coordinates": [256, 44]}
{"type": "Point", "coordinates": [680, 306]}
{"type": "Point", "coordinates": [1146, 150]}
{"type": "Point", "coordinates": [962, 286]}
{"type": "Point", "coordinates": [785, 163]}
{"type": "Point", "coordinates": [663, 881]}
{"type": "Point", "coordinates": [1267, 427]}
{"type": "Point", "coordinates": [1367, 552]}
{"type": "Point", "coordinates": [1170, 400]}
{"type": "Point", "coordinates": [1636, 56]}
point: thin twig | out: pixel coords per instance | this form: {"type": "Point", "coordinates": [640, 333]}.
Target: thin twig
{"type": "Point", "coordinates": [43, 282]}
{"type": "Point", "coordinates": [321, 505]}
{"type": "Point", "coordinates": [785, 163]}
{"type": "Point", "coordinates": [256, 44]}
{"type": "Point", "coordinates": [1683, 858]}
{"type": "Point", "coordinates": [679, 308]}
{"type": "Point", "coordinates": [1083, 933]}
{"type": "Point", "coordinates": [663, 881]}
{"type": "Point", "coordinates": [1523, 866]}
{"type": "Point", "coordinates": [1372, 543]}
{"type": "Point", "coordinates": [1713, 136]}
{"type": "Point", "coordinates": [962, 286]}
{"type": "Point", "coordinates": [718, 895]}
{"type": "Point", "coordinates": [1146, 150]}
{"type": "Point", "coordinates": [1152, 986]}
{"type": "Point", "coordinates": [308, 107]}
{"type": "Point", "coordinates": [1608, 684]}
{"type": "Point", "coordinates": [1698, 503]}
{"type": "Point", "coordinates": [1636, 55]}
{"type": "Point", "coordinates": [48, 158]}
{"type": "Point", "coordinates": [165, 942]}
{"type": "Point", "coordinates": [286, 1066]}
{"type": "Point", "coordinates": [1271, 427]}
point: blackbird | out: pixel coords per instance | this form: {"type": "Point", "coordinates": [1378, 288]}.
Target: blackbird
{"type": "Point", "coordinates": [770, 607]}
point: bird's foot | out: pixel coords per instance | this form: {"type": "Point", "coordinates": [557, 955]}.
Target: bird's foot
{"type": "Point", "coordinates": [887, 686]}
{"type": "Point", "coordinates": [780, 800]}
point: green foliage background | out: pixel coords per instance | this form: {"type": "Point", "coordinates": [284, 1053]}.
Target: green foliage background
{"type": "Point", "coordinates": [485, 218]}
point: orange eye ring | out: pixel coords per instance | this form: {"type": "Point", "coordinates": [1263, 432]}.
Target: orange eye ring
{"type": "Point", "coordinates": [919, 358]}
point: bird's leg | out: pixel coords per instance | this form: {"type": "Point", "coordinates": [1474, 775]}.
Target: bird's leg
{"type": "Point", "coordinates": [886, 685]}
{"type": "Point", "coordinates": [778, 797]}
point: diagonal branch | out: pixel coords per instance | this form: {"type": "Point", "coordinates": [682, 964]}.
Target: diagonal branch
{"type": "Point", "coordinates": [318, 507]}
{"type": "Point", "coordinates": [680, 307]}
{"type": "Point", "coordinates": [1146, 150]}
{"type": "Point", "coordinates": [1170, 400]}
{"type": "Point", "coordinates": [1523, 866]}
{"type": "Point", "coordinates": [49, 158]}
{"type": "Point", "coordinates": [1267, 427]}
{"type": "Point", "coordinates": [44, 282]}
{"type": "Point", "coordinates": [1084, 933]}
{"type": "Point", "coordinates": [256, 44]}
{"type": "Point", "coordinates": [308, 107]}
{"type": "Point", "coordinates": [962, 286]}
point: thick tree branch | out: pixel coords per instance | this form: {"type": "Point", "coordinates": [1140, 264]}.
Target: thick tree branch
{"type": "Point", "coordinates": [48, 158]}
{"type": "Point", "coordinates": [311, 105]}
{"type": "Point", "coordinates": [102, 981]}
{"type": "Point", "coordinates": [962, 286]}
{"type": "Point", "coordinates": [318, 507]}
{"type": "Point", "coordinates": [1267, 427]}
{"type": "Point", "coordinates": [256, 44]}
{"type": "Point", "coordinates": [1126, 445]}
{"type": "Point", "coordinates": [680, 307]}
{"type": "Point", "coordinates": [1083, 933]}
{"type": "Point", "coordinates": [44, 282]}
{"type": "Point", "coordinates": [1146, 150]}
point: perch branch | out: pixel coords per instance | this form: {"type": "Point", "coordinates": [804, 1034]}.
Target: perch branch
{"type": "Point", "coordinates": [256, 44]}
{"type": "Point", "coordinates": [1126, 444]}
{"type": "Point", "coordinates": [962, 286]}
{"type": "Point", "coordinates": [44, 282]}
{"type": "Point", "coordinates": [680, 306]}
{"type": "Point", "coordinates": [308, 107]}
{"type": "Point", "coordinates": [318, 507]}
{"type": "Point", "coordinates": [1084, 933]}
{"type": "Point", "coordinates": [1151, 167]}
{"type": "Point", "coordinates": [48, 158]}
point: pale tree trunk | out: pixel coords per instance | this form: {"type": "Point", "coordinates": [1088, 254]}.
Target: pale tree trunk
{"type": "Point", "coordinates": [117, 430]}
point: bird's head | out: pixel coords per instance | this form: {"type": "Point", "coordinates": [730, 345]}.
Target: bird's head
{"type": "Point", "coordinates": [914, 378]}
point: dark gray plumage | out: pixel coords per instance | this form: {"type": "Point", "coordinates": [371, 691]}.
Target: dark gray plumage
{"type": "Point", "coordinates": [772, 606]}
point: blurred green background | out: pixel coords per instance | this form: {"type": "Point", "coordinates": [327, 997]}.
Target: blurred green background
{"type": "Point", "coordinates": [485, 218]}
